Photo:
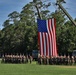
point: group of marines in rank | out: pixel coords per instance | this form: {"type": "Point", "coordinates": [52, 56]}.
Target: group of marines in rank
{"type": "Point", "coordinates": [16, 58]}
{"type": "Point", "coordinates": [59, 60]}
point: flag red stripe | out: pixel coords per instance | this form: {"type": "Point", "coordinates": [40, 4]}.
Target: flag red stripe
{"type": "Point", "coordinates": [47, 47]}
{"type": "Point", "coordinates": [55, 37]}
{"type": "Point", "coordinates": [50, 36]}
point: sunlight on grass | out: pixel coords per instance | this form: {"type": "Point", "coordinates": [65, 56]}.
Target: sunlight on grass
{"type": "Point", "coordinates": [35, 69]}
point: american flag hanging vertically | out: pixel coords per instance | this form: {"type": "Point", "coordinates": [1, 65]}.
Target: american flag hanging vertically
{"type": "Point", "coordinates": [47, 37]}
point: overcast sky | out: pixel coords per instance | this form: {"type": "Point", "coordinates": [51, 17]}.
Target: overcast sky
{"type": "Point", "coordinates": [8, 6]}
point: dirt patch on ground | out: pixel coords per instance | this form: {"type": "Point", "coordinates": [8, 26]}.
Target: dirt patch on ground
{"type": "Point", "coordinates": [72, 66]}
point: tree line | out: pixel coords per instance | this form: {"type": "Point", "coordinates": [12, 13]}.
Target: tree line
{"type": "Point", "coordinates": [20, 35]}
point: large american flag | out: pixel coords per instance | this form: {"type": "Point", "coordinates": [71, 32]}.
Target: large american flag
{"type": "Point", "coordinates": [47, 37]}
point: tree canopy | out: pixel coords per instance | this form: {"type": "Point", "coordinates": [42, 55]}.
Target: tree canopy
{"type": "Point", "coordinates": [19, 34]}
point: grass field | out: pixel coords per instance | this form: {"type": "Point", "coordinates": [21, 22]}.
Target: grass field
{"type": "Point", "coordinates": [35, 69]}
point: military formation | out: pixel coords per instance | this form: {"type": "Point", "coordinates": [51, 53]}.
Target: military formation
{"type": "Point", "coordinates": [59, 60]}
{"type": "Point", "coordinates": [16, 58]}
{"type": "Point", "coordinates": [42, 60]}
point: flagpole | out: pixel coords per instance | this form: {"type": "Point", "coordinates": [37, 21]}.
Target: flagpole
{"type": "Point", "coordinates": [67, 14]}
{"type": "Point", "coordinates": [39, 16]}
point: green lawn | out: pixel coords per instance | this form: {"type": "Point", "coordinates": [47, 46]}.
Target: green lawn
{"type": "Point", "coordinates": [35, 69]}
